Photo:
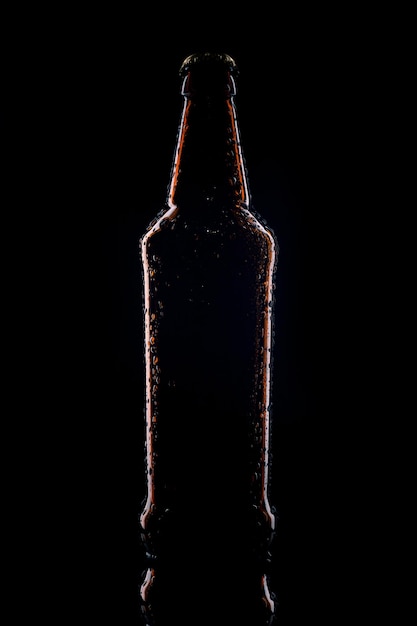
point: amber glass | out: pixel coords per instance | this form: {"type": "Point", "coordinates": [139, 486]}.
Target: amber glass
{"type": "Point", "coordinates": [208, 281]}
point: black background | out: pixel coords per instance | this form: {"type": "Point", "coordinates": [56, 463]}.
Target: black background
{"type": "Point", "coordinates": [100, 112]}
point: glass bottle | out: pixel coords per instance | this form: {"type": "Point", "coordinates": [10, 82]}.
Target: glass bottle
{"type": "Point", "coordinates": [208, 266]}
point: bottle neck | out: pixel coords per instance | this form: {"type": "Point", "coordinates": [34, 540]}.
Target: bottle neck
{"type": "Point", "coordinates": [208, 171]}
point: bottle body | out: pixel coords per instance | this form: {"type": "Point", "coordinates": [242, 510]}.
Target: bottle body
{"type": "Point", "coordinates": [208, 307]}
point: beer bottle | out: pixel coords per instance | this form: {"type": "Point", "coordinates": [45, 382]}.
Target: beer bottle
{"type": "Point", "coordinates": [208, 265]}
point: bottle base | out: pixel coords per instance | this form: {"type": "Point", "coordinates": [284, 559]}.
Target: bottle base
{"type": "Point", "coordinates": [190, 598]}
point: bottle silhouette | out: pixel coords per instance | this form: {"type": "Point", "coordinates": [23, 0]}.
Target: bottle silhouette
{"type": "Point", "coordinates": [208, 269]}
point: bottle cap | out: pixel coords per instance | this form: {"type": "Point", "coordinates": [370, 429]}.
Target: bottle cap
{"type": "Point", "coordinates": [208, 60]}
{"type": "Point", "coordinates": [208, 74]}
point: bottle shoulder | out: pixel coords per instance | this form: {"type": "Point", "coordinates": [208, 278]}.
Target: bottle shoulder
{"type": "Point", "coordinates": [239, 222]}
